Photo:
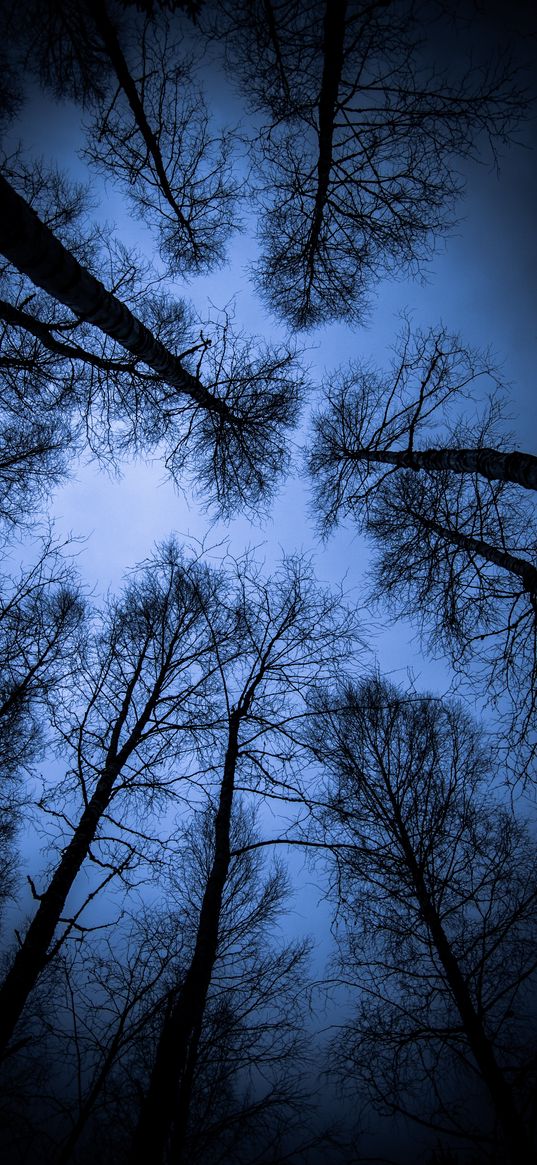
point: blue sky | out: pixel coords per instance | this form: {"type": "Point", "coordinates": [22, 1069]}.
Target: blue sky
{"type": "Point", "coordinates": [482, 283]}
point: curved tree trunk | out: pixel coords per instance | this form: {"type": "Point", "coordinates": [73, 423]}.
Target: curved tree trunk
{"type": "Point", "coordinates": [36, 252]}
{"type": "Point", "coordinates": [520, 468]}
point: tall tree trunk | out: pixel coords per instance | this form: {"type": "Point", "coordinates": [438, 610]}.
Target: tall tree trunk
{"type": "Point", "coordinates": [520, 468]}
{"type": "Point", "coordinates": [494, 1079]}
{"type": "Point", "coordinates": [36, 252]}
{"type": "Point", "coordinates": [510, 562]}
{"type": "Point", "coordinates": [32, 956]}
{"type": "Point", "coordinates": [163, 1120]}
{"type": "Point", "coordinates": [121, 69]}
{"type": "Point", "coordinates": [33, 953]}
{"type": "Point", "coordinates": [333, 43]}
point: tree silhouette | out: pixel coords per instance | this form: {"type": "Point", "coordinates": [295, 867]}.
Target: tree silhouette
{"type": "Point", "coordinates": [412, 416]}
{"type": "Point", "coordinates": [453, 529]}
{"type": "Point", "coordinates": [176, 172]}
{"type": "Point", "coordinates": [135, 703]}
{"type": "Point", "coordinates": [436, 884]}
{"type": "Point", "coordinates": [231, 433]}
{"type": "Point", "coordinates": [291, 634]}
{"type": "Point", "coordinates": [355, 161]}
{"type": "Point", "coordinates": [41, 633]}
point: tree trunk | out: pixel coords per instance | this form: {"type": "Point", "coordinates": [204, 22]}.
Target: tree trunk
{"type": "Point", "coordinates": [121, 69]}
{"type": "Point", "coordinates": [510, 562]}
{"type": "Point", "coordinates": [494, 1079]}
{"type": "Point", "coordinates": [520, 468]}
{"type": "Point", "coordinates": [36, 252]}
{"type": "Point", "coordinates": [163, 1121]}
{"type": "Point", "coordinates": [32, 956]}
{"type": "Point", "coordinates": [333, 42]}
{"type": "Point", "coordinates": [33, 953]}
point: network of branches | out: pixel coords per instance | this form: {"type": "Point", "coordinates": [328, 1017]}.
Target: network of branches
{"type": "Point", "coordinates": [182, 757]}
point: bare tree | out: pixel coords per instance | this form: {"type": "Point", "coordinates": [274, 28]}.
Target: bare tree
{"type": "Point", "coordinates": [290, 635]}
{"type": "Point", "coordinates": [41, 626]}
{"type": "Point", "coordinates": [229, 434]}
{"type": "Point", "coordinates": [41, 637]}
{"type": "Point", "coordinates": [434, 879]}
{"type": "Point", "coordinates": [454, 531]}
{"type": "Point", "coordinates": [415, 415]}
{"type": "Point", "coordinates": [99, 1024]}
{"type": "Point", "coordinates": [149, 128]}
{"type": "Point", "coordinates": [135, 707]}
{"type": "Point", "coordinates": [176, 170]}
{"type": "Point", "coordinates": [461, 561]}
{"type": "Point", "coordinates": [355, 163]}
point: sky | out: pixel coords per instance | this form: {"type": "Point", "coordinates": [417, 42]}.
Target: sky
{"type": "Point", "coordinates": [482, 283]}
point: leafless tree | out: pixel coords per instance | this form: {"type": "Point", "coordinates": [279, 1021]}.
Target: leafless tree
{"type": "Point", "coordinates": [99, 1026]}
{"type": "Point", "coordinates": [229, 433]}
{"type": "Point", "coordinates": [130, 714]}
{"type": "Point", "coordinates": [461, 561]}
{"type": "Point", "coordinates": [421, 413]}
{"type": "Point", "coordinates": [290, 635]}
{"type": "Point", "coordinates": [176, 170]}
{"type": "Point", "coordinates": [149, 127]}
{"type": "Point", "coordinates": [41, 625]}
{"type": "Point", "coordinates": [453, 528]}
{"type": "Point", "coordinates": [434, 879]}
{"type": "Point", "coordinates": [41, 636]}
{"type": "Point", "coordinates": [355, 161]}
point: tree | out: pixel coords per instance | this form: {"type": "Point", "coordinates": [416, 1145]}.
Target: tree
{"type": "Point", "coordinates": [142, 693]}
{"type": "Point", "coordinates": [435, 880]}
{"type": "Point", "coordinates": [355, 173]}
{"type": "Point", "coordinates": [291, 634]}
{"type": "Point", "coordinates": [230, 433]}
{"type": "Point", "coordinates": [99, 1019]}
{"type": "Point", "coordinates": [41, 634]}
{"type": "Point", "coordinates": [455, 535]}
{"type": "Point", "coordinates": [373, 421]}
{"type": "Point", "coordinates": [149, 128]}
{"type": "Point", "coordinates": [41, 631]}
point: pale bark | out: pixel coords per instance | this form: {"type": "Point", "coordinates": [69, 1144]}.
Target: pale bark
{"type": "Point", "coordinates": [494, 464]}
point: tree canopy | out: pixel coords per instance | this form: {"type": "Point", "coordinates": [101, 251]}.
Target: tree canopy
{"type": "Point", "coordinates": [260, 903]}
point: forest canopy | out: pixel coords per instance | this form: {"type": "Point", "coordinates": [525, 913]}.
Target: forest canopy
{"type": "Point", "coordinates": [267, 895]}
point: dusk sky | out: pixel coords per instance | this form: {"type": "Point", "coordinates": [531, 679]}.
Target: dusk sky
{"type": "Point", "coordinates": [481, 283]}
